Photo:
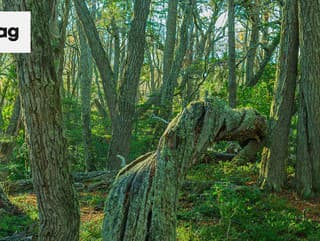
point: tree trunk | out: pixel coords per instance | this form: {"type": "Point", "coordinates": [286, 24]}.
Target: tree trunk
{"type": "Point", "coordinates": [168, 53]}
{"type": "Point", "coordinates": [232, 84]}
{"type": "Point", "coordinates": [275, 154]}
{"type": "Point", "coordinates": [122, 126]}
{"type": "Point", "coordinates": [308, 146]}
{"type": "Point", "coordinates": [170, 82]}
{"type": "Point", "coordinates": [122, 105]}
{"type": "Point", "coordinates": [254, 39]}
{"type": "Point", "coordinates": [40, 96]}
{"type": "Point", "coordinates": [267, 57]}
{"type": "Point", "coordinates": [143, 201]}
{"type": "Point", "coordinates": [85, 79]}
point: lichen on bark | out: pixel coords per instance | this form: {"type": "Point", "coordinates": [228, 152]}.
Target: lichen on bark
{"type": "Point", "coordinates": [143, 201]}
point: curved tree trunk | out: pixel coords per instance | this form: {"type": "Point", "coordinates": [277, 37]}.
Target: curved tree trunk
{"type": "Point", "coordinates": [143, 201]}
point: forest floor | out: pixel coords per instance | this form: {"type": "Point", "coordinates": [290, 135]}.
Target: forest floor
{"type": "Point", "coordinates": [219, 201]}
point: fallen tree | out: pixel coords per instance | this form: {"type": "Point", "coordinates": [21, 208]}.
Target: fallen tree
{"type": "Point", "coordinates": [143, 200]}
{"type": "Point", "coordinates": [88, 181]}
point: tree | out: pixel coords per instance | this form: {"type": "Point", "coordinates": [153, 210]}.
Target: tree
{"type": "Point", "coordinates": [85, 76]}
{"type": "Point", "coordinates": [143, 201]}
{"type": "Point", "coordinates": [275, 154]}
{"type": "Point", "coordinates": [172, 63]}
{"type": "Point", "coordinates": [308, 143]}
{"type": "Point", "coordinates": [121, 104]}
{"type": "Point", "coordinates": [39, 87]}
{"type": "Point", "coordinates": [254, 11]}
{"type": "Point", "coordinates": [232, 84]}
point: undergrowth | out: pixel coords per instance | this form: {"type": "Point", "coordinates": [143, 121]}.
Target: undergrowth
{"type": "Point", "coordinates": [218, 202]}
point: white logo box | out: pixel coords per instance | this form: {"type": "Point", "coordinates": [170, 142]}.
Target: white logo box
{"type": "Point", "coordinates": [15, 32]}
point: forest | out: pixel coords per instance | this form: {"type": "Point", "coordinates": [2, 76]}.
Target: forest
{"type": "Point", "coordinates": [171, 120]}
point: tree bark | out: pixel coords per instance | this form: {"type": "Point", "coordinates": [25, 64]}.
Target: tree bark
{"type": "Point", "coordinates": [254, 38]}
{"type": "Point", "coordinates": [308, 146]}
{"type": "Point", "coordinates": [168, 53]}
{"type": "Point", "coordinates": [232, 84]}
{"type": "Point", "coordinates": [275, 154]}
{"type": "Point", "coordinates": [85, 76]}
{"type": "Point", "coordinates": [39, 87]}
{"type": "Point", "coordinates": [143, 201]}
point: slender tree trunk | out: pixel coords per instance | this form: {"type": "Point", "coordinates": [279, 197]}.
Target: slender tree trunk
{"type": "Point", "coordinates": [122, 126]}
{"type": "Point", "coordinates": [168, 53]}
{"type": "Point", "coordinates": [275, 154]}
{"type": "Point", "coordinates": [254, 39]}
{"type": "Point", "coordinates": [232, 84]}
{"type": "Point", "coordinates": [143, 202]}
{"type": "Point", "coordinates": [269, 51]}
{"type": "Point", "coordinates": [308, 146]}
{"type": "Point", "coordinates": [85, 76]}
{"type": "Point", "coordinates": [169, 84]}
{"type": "Point", "coordinates": [122, 105]}
{"type": "Point", "coordinates": [40, 96]}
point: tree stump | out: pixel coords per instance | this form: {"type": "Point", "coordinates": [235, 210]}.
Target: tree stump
{"type": "Point", "coordinates": [143, 201]}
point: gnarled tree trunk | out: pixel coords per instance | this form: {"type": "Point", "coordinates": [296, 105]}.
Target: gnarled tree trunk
{"type": "Point", "coordinates": [143, 201]}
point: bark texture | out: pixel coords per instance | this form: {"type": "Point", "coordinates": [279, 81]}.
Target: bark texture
{"type": "Point", "coordinates": [143, 201]}
{"type": "Point", "coordinates": [308, 146]}
{"type": "Point", "coordinates": [275, 154]}
{"type": "Point", "coordinates": [85, 79]}
{"type": "Point", "coordinates": [254, 11]}
{"type": "Point", "coordinates": [39, 87]}
{"type": "Point", "coordinates": [232, 84]}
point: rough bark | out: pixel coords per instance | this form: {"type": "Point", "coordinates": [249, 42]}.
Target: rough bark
{"type": "Point", "coordinates": [232, 84]}
{"type": "Point", "coordinates": [143, 201]}
{"type": "Point", "coordinates": [254, 38]}
{"type": "Point", "coordinates": [308, 146]}
{"type": "Point", "coordinates": [39, 87]}
{"type": "Point", "coordinates": [168, 53]}
{"type": "Point", "coordinates": [85, 79]}
{"type": "Point", "coordinates": [275, 154]}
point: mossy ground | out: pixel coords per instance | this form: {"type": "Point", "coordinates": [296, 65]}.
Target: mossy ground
{"type": "Point", "coordinates": [221, 202]}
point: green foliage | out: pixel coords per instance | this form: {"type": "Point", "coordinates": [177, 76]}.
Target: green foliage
{"type": "Point", "coordinates": [13, 223]}
{"type": "Point", "coordinates": [233, 208]}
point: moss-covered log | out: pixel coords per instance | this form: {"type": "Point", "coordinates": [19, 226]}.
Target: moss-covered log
{"type": "Point", "coordinates": [143, 201]}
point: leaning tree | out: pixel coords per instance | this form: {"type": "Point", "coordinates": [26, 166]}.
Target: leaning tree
{"type": "Point", "coordinates": [143, 201]}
